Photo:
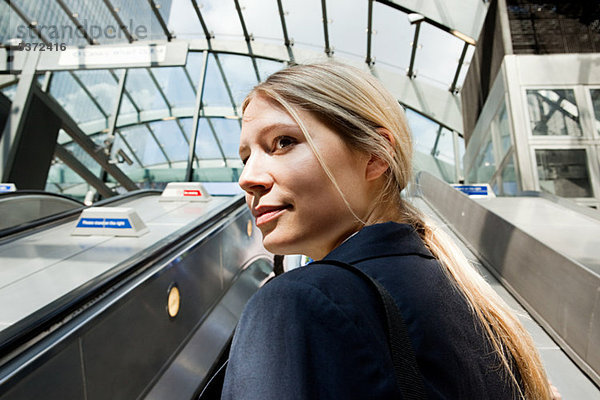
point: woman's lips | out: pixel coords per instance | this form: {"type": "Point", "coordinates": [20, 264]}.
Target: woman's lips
{"type": "Point", "coordinates": [269, 214]}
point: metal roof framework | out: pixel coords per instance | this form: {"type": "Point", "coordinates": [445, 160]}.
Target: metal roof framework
{"type": "Point", "coordinates": [415, 94]}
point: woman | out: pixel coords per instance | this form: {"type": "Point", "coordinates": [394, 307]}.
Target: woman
{"type": "Point", "coordinates": [327, 152]}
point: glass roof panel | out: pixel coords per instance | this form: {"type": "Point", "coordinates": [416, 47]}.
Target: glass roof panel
{"type": "Point", "coordinates": [139, 19]}
{"type": "Point", "coordinates": [184, 21]}
{"type": "Point", "coordinates": [240, 75]}
{"type": "Point", "coordinates": [438, 55]}
{"type": "Point", "coordinates": [461, 151]}
{"type": "Point", "coordinates": [186, 124]}
{"type": "Point", "coordinates": [262, 20]}
{"type": "Point", "coordinates": [143, 91]}
{"type": "Point", "coordinates": [206, 145]}
{"type": "Point", "coordinates": [424, 131]}
{"type": "Point", "coordinates": [392, 37]}
{"type": "Point", "coordinates": [10, 91]}
{"type": "Point", "coordinates": [61, 177]}
{"type": "Point", "coordinates": [348, 27]}
{"type": "Point", "coordinates": [304, 21]}
{"type": "Point", "coordinates": [143, 144]}
{"type": "Point", "coordinates": [97, 21]}
{"type": "Point", "coordinates": [127, 112]}
{"type": "Point", "coordinates": [7, 25]}
{"type": "Point", "coordinates": [71, 96]}
{"type": "Point", "coordinates": [171, 139]}
{"type": "Point", "coordinates": [63, 137]}
{"type": "Point", "coordinates": [176, 86]}
{"type": "Point", "coordinates": [445, 146]}
{"type": "Point", "coordinates": [215, 91]}
{"type": "Point", "coordinates": [193, 67]}
{"type": "Point", "coordinates": [40, 79]}
{"type": "Point", "coordinates": [51, 20]}
{"type": "Point", "coordinates": [164, 8]}
{"type": "Point", "coordinates": [268, 67]}
{"type": "Point", "coordinates": [228, 133]}
{"type": "Point", "coordinates": [12, 26]}
{"type": "Point", "coordinates": [102, 86]}
{"type": "Point", "coordinates": [221, 18]}
{"type": "Point", "coordinates": [84, 157]}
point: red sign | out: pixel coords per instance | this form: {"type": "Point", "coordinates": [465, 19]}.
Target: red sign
{"type": "Point", "coordinates": [192, 193]}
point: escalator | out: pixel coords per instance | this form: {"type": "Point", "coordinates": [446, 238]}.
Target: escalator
{"type": "Point", "coordinates": [541, 254]}
{"type": "Point", "coordinates": [100, 317]}
{"type": "Point", "coordinates": [108, 333]}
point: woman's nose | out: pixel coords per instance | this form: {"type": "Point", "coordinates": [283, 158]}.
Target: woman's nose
{"type": "Point", "coordinates": [255, 178]}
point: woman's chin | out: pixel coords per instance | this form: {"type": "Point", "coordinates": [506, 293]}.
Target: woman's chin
{"type": "Point", "coordinates": [278, 245]}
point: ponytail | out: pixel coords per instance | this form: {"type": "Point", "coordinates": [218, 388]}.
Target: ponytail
{"type": "Point", "coordinates": [509, 339]}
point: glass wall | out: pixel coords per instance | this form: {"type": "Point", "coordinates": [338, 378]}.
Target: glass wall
{"type": "Point", "coordinates": [553, 112]}
{"type": "Point", "coordinates": [503, 131]}
{"type": "Point", "coordinates": [509, 186]}
{"type": "Point", "coordinates": [435, 150]}
{"type": "Point", "coordinates": [595, 93]}
{"type": "Point", "coordinates": [485, 164]}
{"type": "Point", "coordinates": [564, 172]}
{"type": "Point", "coordinates": [491, 156]}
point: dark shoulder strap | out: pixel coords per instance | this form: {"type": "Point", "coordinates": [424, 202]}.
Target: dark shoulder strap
{"type": "Point", "coordinates": [408, 376]}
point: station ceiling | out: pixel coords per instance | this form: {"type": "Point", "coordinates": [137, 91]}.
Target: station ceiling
{"type": "Point", "coordinates": [420, 49]}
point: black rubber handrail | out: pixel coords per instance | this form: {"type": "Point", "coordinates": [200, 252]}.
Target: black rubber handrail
{"type": "Point", "coordinates": [37, 324]}
{"type": "Point", "coordinates": [70, 214]}
{"type": "Point", "coordinates": [38, 192]}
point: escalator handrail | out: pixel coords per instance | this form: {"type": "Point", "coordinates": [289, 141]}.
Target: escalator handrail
{"type": "Point", "coordinates": [29, 192]}
{"type": "Point", "coordinates": [29, 329]}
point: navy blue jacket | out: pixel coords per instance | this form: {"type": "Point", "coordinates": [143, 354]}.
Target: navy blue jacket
{"type": "Point", "coordinates": [317, 332]}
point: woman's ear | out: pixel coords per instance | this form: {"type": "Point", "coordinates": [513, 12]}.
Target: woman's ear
{"type": "Point", "coordinates": [377, 166]}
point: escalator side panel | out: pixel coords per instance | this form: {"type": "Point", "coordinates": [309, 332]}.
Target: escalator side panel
{"type": "Point", "coordinates": [128, 339]}
{"type": "Point", "coordinates": [560, 293]}
{"type": "Point", "coordinates": [60, 377]}
{"type": "Point", "coordinates": [191, 369]}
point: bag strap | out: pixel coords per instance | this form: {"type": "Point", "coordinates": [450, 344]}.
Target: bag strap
{"type": "Point", "coordinates": [406, 370]}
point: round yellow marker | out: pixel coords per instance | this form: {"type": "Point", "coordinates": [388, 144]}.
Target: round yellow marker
{"type": "Point", "coordinates": [249, 228]}
{"type": "Point", "coordinates": [173, 301]}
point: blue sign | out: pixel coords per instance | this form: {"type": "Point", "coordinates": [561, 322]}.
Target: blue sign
{"type": "Point", "coordinates": [479, 190]}
{"type": "Point", "coordinates": [119, 223]}
{"type": "Point", "coordinates": [115, 223]}
{"type": "Point", "coordinates": [6, 188]}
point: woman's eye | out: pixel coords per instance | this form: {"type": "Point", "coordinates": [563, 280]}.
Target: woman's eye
{"type": "Point", "coordinates": [283, 142]}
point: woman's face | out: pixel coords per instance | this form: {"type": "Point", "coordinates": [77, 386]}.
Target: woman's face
{"type": "Point", "coordinates": [296, 206]}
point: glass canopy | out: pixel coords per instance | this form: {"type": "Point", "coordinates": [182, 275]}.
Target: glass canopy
{"type": "Point", "coordinates": [147, 119]}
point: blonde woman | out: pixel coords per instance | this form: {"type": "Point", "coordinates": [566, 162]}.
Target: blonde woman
{"type": "Point", "coordinates": [327, 152]}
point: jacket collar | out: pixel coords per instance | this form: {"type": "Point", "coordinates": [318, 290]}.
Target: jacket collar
{"type": "Point", "coordinates": [380, 240]}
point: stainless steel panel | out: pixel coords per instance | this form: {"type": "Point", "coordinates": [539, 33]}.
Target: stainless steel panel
{"type": "Point", "coordinates": [559, 292]}
{"type": "Point", "coordinates": [571, 382]}
{"type": "Point", "coordinates": [189, 371]}
{"type": "Point", "coordinates": [59, 378]}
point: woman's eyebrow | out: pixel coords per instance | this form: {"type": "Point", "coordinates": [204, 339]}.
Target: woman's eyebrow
{"type": "Point", "coordinates": [278, 125]}
{"type": "Point", "coordinates": [266, 129]}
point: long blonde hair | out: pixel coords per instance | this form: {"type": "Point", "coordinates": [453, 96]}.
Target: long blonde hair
{"type": "Point", "coordinates": [356, 105]}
